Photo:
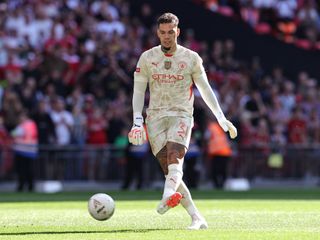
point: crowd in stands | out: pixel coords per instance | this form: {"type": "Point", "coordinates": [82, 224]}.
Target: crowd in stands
{"type": "Point", "coordinates": [70, 65]}
{"type": "Point", "coordinates": [293, 21]}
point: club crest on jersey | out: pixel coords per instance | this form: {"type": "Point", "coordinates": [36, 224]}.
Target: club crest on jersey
{"type": "Point", "coordinates": [167, 65]}
{"type": "Point", "coordinates": [182, 65]}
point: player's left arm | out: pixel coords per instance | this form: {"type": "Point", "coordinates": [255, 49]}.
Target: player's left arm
{"type": "Point", "coordinates": [201, 81]}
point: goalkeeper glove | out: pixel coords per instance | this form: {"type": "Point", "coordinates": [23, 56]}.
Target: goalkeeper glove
{"type": "Point", "coordinates": [137, 135]}
{"type": "Point", "coordinates": [227, 126]}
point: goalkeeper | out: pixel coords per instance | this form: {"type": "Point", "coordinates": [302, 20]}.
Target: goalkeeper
{"type": "Point", "coordinates": [170, 70]}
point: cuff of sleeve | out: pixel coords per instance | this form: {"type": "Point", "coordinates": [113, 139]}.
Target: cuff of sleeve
{"type": "Point", "coordinates": [138, 118]}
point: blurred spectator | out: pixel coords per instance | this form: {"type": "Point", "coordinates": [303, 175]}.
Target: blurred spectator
{"type": "Point", "coordinates": [297, 127]}
{"type": "Point", "coordinates": [88, 106]}
{"type": "Point", "coordinates": [96, 128]}
{"type": "Point", "coordinates": [75, 99]}
{"type": "Point", "coordinates": [136, 158]}
{"type": "Point", "coordinates": [28, 94]}
{"type": "Point", "coordinates": [79, 130]}
{"type": "Point", "coordinates": [5, 140]}
{"type": "Point", "coordinates": [45, 125]}
{"type": "Point", "coordinates": [297, 137]}
{"type": "Point", "coordinates": [287, 97]}
{"type": "Point", "coordinates": [278, 142]}
{"type": "Point", "coordinates": [25, 148]}
{"type": "Point", "coordinates": [277, 116]}
{"type": "Point", "coordinates": [96, 135]}
{"type": "Point", "coordinates": [54, 64]}
{"type": "Point", "coordinates": [309, 99]}
{"type": "Point", "coordinates": [278, 138]}
{"type": "Point", "coordinates": [46, 135]}
{"type": "Point", "coordinates": [260, 150]}
{"type": "Point", "coordinates": [117, 121]}
{"type": "Point", "coordinates": [63, 122]}
{"type": "Point", "coordinates": [313, 127]}
{"type": "Point", "coordinates": [11, 108]}
{"type": "Point", "coordinates": [261, 137]}
{"type": "Point", "coordinates": [4, 136]}
{"type": "Point", "coordinates": [60, 87]}
{"type": "Point", "coordinates": [278, 76]}
{"type": "Point", "coordinates": [219, 153]}
{"type": "Point", "coordinates": [255, 107]}
{"type": "Point", "coordinates": [246, 131]}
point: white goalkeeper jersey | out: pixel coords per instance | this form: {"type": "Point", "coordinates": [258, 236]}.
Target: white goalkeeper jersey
{"type": "Point", "coordinates": [170, 78]}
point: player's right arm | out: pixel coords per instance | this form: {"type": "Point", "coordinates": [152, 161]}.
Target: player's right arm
{"type": "Point", "coordinates": [137, 135]}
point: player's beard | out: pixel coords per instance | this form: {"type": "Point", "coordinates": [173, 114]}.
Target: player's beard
{"type": "Point", "coordinates": [165, 49]}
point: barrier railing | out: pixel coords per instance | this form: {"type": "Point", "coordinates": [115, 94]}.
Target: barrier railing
{"type": "Point", "coordinates": [107, 162]}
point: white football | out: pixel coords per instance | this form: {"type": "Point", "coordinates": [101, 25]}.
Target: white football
{"type": "Point", "coordinates": [101, 206]}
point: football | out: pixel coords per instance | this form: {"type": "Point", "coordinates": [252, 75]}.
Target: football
{"type": "Point", "coordinates": [101, 206]}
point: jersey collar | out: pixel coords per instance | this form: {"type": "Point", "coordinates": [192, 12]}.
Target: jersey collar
{"type": "Point", "coordinates": [170, 54]}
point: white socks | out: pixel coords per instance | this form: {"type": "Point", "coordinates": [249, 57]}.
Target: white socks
{"type": "Point", "coordinates": [174, 184]}
{"type": "Point", "coordinates": [186, 200]}
{"type": "Point", "coordinates": [173, 180]}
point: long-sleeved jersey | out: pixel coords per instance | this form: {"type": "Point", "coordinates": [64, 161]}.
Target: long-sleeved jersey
{"type": "Point", "coordinates": [170, 78]}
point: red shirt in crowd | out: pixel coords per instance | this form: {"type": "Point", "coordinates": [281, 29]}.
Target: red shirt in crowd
{"type": "Point", "coordinates": [97, 131]}
{"type": "Point", "coordinates": [297, 130]}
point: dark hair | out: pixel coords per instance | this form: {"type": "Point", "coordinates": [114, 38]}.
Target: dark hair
{"type": "Point", "coordinates": [168, 18]}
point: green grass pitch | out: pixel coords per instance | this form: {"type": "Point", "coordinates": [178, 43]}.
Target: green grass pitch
{"type": "Point", "coordinates": [257, 214]}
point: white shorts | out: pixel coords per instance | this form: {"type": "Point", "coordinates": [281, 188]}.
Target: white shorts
{"type": "Point", "coordinates": [169, 129]}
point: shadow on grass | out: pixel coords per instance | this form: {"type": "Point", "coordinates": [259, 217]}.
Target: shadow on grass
{"type": "Point", "coordinates": [256, 194]}
{"type": "Point", "coordinates": [85, 232]}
